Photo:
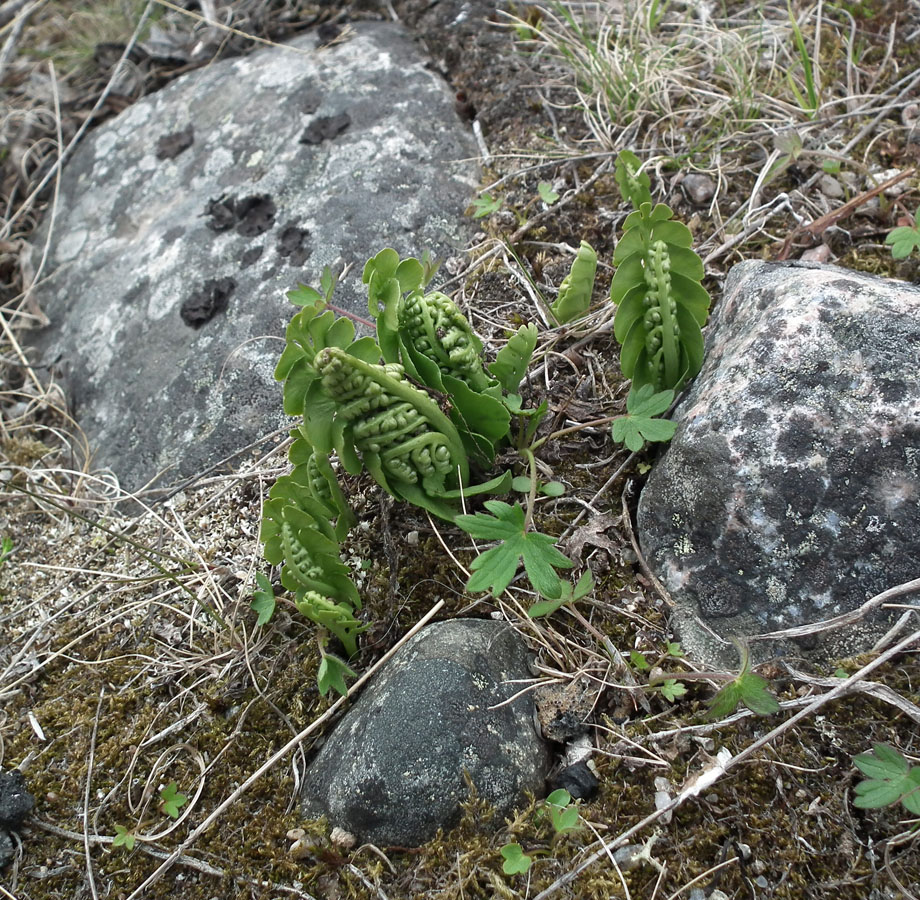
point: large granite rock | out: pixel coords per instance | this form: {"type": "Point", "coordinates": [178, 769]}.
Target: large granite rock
{"type": "Point", "coordinates": [392, 771]}
{"type": "Point", "coordinates": [791, 491]}
{"type": "Point", "coordinates": [182, 222]}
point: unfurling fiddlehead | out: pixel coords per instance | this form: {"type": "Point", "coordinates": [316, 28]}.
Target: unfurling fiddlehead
{"type": "Point", "coordinates": [576, 288]}
{"type": "Point", "coordinates": [433, 325]}
{"type": "Point", "coordinates": [335, 617]}
{"type": "Point", "coordinates": [405, 441]}
{"type": "Point", "coordinates": [661, 304]}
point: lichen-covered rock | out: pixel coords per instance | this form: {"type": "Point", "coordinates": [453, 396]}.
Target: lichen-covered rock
{"type": "Point", "coordinates": [182, 223]}
{"type": "Point", "coordinates": [791, 491]}
{"type": "Point", "coordinates": [392, 771]}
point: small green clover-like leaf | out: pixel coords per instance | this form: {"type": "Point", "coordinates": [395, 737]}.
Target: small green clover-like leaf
{"type": "Point", "coordinates": [123, 838]}
{"type": "Point", "coordinates": [547, 194]}
{"type": "Point", "coordinates": [639, 661]}
{"type": "Point", "coordinates": [674, 649]}
{"type": "Point", "coordinates": [562, 814]}
{"type": "Point", "coordinates": [485, 205]}
{"type": "Point", "coordinates": [171, 801]}
{"type": "Point", "coordinates": [516, 860]}
{"type": "Point", "coordinates": [495, 569]}
{"type": "Point", "coordinates": [904, 239]}
{"type": "Point", "coordinates": [331, 675]}
{"type": "Point", "coordinates": [831, 166]}
{"type": "Point", "coordinates": [263, 600]}
{"type": "Point", "coordinates": [890, 779]}
{"type": "Point", "coordinates": [522, 484]}
{"type": "Point", "coordinates": [672, 689]}
{"type": "Point", "coordinates": [638, 425]}
{"type": "Point", "coordinates": [569, 595]}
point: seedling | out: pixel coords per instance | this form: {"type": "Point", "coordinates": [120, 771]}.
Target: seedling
{"type": "Point", "coordinates": [891, 779]}
{"type": "Point", "coordinates": [485, 205]}
{"type": "Point", "coordinates": [546, 192]}
{"type": "Point", "coordinates": [672, 689]}
{"type": "Point", "coordinates": [905, 239]}
{"type": "Point", "coordinates": [171, 801]}
{"type": "Point", "coordinates": [124, 838]}
{"type": "Point", "coordinates": [639, 424]}
{"type": "Point", "coordinates": [561, 811]}
{"type": "Point", "coordinates": [745, 688]}
{"type": "Point", "coordinates": [516, 860]}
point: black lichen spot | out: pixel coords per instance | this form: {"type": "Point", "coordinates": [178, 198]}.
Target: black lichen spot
{"type": "Point", "coordinates": [255, 215]}
{"type": "Point", "coordinates": [251, 216]}
{"type": "Point", "coordinates": [325, 128]}
{"type": "Point", "coordinates": [169, 146]}
{"type": "Point", "coordinates": [253, 254]}
{"type": "Point", "coordinates": [221, 214]}
{"type": "Point", "coordinates": [292, 244]}
{"type": "Point", "coordinates": [209, 300]}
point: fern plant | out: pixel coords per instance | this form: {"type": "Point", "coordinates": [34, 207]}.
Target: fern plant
{"type": "Point", "coordinates": [575, 291]}
{"type": "Point", "coordinates": [661, 305]}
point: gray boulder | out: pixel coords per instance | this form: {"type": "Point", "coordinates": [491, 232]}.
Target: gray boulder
{"type": "Point", "coordinates": [791, 491]}
{"type": "Point", "coordinates": [392, 771]}
{"type": "Point", "coordinates": [183, 222]}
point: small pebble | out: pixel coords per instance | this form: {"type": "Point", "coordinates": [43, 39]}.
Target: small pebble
{"type": "Point", "coordinates": [876, 178]}
{"type": "Point", "coordinates": [819, 254]}
{"type": "Point", "coordinates": [831, 187]}
{"type": "Point", "coordinates": [342, 838]}
{"type": "Point", "coordinates": [698, 188]}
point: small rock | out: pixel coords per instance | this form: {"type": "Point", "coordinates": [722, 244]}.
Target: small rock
{"type": "Point", "coordinates": [15, 801]}
{"type": "Point", "coordinates": [578, 780]}
{"type": "Point", "coordinates": [831, 187]}
{"type": "Point", "coordinates": [394, 770]}
{"type": "Point", "coordinates": [874, 179]}
{"type": "Point", "coordinates": [15, 805]}
{"type": "Point", "coordinates": [819, 254]}
{"type": "Point", "coordinates": [698, 188]}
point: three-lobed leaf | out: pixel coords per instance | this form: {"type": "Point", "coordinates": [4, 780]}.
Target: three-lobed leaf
{"type": "Point", "coordinates": [516, 860]}
{"type": "Point", "coordinates": [171, 801]}
{"type": "Point", "coordinates": [485, 205]}
{"type": "Point", "coordinates": [331, 675]}
{"type": "Point", "coordinates": [263, 600]}
{"type": "Point", "coordinates": [547, 194]}
{"type": "Point", "coordinates": [904, 239]}
{"type": "Point", "coordinates": [748, 689]}
{"type": "Point", "coordinates": [123, 838]}
{"type": "Point", "coordinates": [639, 424]}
